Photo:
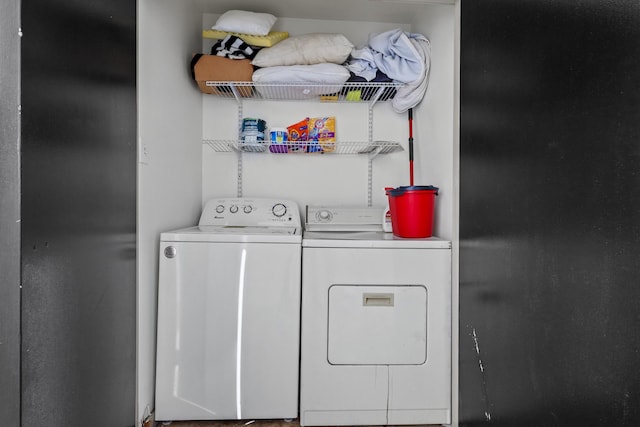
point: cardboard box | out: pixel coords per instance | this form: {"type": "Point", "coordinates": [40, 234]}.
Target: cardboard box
{"type": "Point", "coordinates": [210, 70]}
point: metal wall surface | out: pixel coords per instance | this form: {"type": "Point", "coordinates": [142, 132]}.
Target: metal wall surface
{"type": "Point", "coordinates": [550, 213]}
{"type": "Point", "coordinates": [10, 212]}
{"type": "Point", "coordinates": [78, 212]}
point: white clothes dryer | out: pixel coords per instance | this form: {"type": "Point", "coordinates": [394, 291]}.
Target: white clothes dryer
{"type": "Point", "coordinates": [229, 313]}
{"type": "Point", "coordinates": [376, 329]}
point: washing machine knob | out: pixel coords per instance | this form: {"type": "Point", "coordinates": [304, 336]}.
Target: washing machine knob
{"type": "Point", "coordinates": [247, 209]}
{"type": "Point", "coordinates": [233, 209]}
{"type": "Point", "coordinates": [279, 209]}
{"type": "Point", "coordinates": [220, 208]}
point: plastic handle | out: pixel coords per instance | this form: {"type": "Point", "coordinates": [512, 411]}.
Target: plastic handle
{"type": "Point", "coordinates": [377, 300]}
{"type": "Point", "coordinates": [395, 192]}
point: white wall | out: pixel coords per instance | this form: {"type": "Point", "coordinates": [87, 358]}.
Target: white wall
{"type": "Point", "coordinates": [434, 117]}
{"type": "Point", "coordinates": [169, 133]}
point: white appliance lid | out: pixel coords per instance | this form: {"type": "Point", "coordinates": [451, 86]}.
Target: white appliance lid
{"type": "Point", "coordinates": [368, 239]}
{"type": "Point", "coordinates": [248, 234]}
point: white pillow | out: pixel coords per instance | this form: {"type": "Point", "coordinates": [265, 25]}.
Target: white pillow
{"type": "Point", "coordinates": [240, 21]}
{"type": "Point", "coordinates": [307, 49]}
{"type": "Point", "coordinates": [301, 81]}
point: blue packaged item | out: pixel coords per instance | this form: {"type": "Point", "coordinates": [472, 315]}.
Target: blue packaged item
{"type": "Point", "coordinates": [252, 134]}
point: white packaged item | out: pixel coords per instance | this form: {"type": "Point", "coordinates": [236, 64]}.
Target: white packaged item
{"type": "Point", "coordinates": [386, 219]}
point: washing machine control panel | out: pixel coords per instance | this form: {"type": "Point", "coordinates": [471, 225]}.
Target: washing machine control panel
{"type": "Point", "coordinates": [244, 212]}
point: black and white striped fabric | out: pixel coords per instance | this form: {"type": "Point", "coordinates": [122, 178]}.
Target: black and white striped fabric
{"type": "Point", "coordinates": [233, 47]}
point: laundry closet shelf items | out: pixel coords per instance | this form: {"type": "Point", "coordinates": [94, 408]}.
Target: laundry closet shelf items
{"type": "Point", "coordinates": [343, 147]}
{"type": "Point", "coordinates": [350, 92]}
{"type": "Point", "coordinates": [369, 92]}
{"type": "Point", "coordinates": [363, 93]}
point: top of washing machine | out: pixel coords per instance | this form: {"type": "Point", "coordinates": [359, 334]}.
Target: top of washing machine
{"type": "Point", "coordinates": [244, 220]}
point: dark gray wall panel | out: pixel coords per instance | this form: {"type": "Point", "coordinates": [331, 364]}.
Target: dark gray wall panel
{"type": "Point", "coordinates": [9, 213]}
{"type": "Point", "coordinates": [78, 212]}
{"type": "Point", "coordinates": [550, 213]}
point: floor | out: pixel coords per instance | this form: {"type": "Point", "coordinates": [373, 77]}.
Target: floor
{"type": "Point", "coordinates": [262, 423]}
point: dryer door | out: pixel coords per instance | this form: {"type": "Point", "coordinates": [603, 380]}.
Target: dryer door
{"type": "Point", "coordinates": [377, 325]}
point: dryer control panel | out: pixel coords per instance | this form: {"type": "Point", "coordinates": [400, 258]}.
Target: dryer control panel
{"type": "Point", "coordinates": [244, 212]}
{"type": "Point", "coordinates": [343, 218]}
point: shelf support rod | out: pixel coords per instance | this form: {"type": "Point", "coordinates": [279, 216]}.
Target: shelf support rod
{"type": "Point", "coordinates": [370, 160]}
{"type": "Point", "coordinates": [239, 153]}
{"type": "Point", "coordinates": [370, 136]}
{"type": "Point", "coordinates": [370, 182]}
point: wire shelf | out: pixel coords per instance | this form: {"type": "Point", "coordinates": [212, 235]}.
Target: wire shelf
{"type": "Point", "coordinates": [306, 147]}
{"type": "Point", "coordinates": [326, 92]}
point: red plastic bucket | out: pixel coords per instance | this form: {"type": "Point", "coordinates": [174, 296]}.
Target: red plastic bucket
{"type": "Point", "coordinates": [412, 210]}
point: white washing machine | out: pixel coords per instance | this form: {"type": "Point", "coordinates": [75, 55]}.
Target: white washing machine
{"type": "Point", "coordinates": [376, 329]}
{"type": "Point", "coordinates": [229, 313]}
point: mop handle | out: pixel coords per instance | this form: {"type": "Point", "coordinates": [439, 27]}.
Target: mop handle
{"type": "Point", "coordinates": [410, 146]}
